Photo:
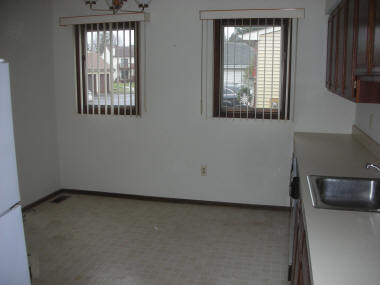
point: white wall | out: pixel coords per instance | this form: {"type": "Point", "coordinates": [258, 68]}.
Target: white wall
{"type": "Point", "coordinates": [161, 153]}
{"type": "Point", "coordinates": [316, 109]}
{"type": "Point", "coordinates": [363, 119]}
{"type": "Point", "coordinates": [26, 43]}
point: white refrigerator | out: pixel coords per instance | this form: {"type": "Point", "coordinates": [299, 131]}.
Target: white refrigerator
{"type": "Point", "coordinates": [13, 258]}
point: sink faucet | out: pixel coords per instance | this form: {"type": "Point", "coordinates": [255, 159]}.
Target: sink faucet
{"type": "Point", "coordinates": [373, 165]}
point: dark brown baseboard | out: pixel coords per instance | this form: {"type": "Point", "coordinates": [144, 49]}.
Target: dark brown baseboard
{"type": "Point", "coordinates": [174, 200]}
{"type": "Point", "coordinates": [153, 198]}
{"type": "Point", "coordinates": [40, 201]}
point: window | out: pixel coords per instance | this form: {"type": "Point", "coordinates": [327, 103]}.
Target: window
{"type": "Point", "coordinates": [107, 62]}
{"type": "Point", "coordinates": [252, 68]}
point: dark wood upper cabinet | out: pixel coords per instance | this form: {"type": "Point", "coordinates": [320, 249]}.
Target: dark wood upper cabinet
{"type": "Point", "coordinates": [367, 90]}
{"type": "Point", "coordinates": [340, 49]}
{"type": "Point", "coordinates": [349, 50]}
{"type": "Point", "coordinates": [362, 37]}
{"type": "Point", "coordinates": [334, 39]}
{"type": "Point", "coordinates": [376, 40]}
{"type": "Point", "coordinates": [329, 51]}
{"type": "Point", "coordinates": [353, 54]}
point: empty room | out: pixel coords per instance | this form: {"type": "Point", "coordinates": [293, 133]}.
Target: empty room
{"type": "Point", "coordinates": [189, 142]}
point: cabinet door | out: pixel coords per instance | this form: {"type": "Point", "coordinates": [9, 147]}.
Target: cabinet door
{"type": "Point", "coordinates": [375, 64]}
{"type": "Point", "coordinates": [362, 34]}
{"type": "Point", "coordinates": [334, 19]}
{"type": "Point", "coordinates": [303, 277]}
{"type": "Point", "coordinates": [367, 90]}
{"type": "Point", "coordinates": [300, 280]}
{"type": "Point", "coordinates": [329, 52]}
{"type": "Point", "coordinates": [295, 245]}
{"type": "Point", "coordinates": [298, 241]}
{"type": "Point", "coordinates": [305, 265]}
{"type": "Point", "coordinates": [341, 48]}
{"type": "Point", "coordinates": [351, 6]}
{"type": "Point", "coordinates": [301, 272]}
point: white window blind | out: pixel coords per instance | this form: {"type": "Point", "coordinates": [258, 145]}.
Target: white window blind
{"type": "Point", "coordinates": [248, 76]}
{"type": "Point", "coordinates": [107, 60]}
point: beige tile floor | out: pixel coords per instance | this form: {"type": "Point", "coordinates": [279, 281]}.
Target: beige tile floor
{"type": "Point", "coordinates": [111, 241]}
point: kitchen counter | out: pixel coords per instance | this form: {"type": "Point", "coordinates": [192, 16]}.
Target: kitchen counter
{"type": "Point", "coordinates": [344, 246]}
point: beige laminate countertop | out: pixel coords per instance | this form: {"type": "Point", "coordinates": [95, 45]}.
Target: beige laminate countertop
{"type": "Point", "coordinates": [344, 246]}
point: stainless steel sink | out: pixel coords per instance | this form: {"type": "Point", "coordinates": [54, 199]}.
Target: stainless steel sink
{"type": "Point", "coordinates": [339, 193]}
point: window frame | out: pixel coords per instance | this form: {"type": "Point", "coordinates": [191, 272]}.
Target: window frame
{"type": "Point", "coordinates": [218, 82]}
{"type": "Point", "coordinates": [80, 64]}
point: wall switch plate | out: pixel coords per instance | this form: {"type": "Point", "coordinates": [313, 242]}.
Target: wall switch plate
{"type": "Point", "coordinates": [204, 170]}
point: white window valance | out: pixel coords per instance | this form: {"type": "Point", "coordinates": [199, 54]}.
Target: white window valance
{"type": "Point", "coordinates": [252, 13]}
{"type": "Point", "coordinates": [94, 19]}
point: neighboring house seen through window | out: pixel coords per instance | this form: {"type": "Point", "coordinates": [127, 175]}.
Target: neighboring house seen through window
{"type": "Point", "coordinates": [107, 68]}
{"type": "Point", "coordinates": [251, 68]}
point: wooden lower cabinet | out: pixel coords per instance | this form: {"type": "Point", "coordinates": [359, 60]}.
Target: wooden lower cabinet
{"type": "Point", "coordinates": [301, 267]}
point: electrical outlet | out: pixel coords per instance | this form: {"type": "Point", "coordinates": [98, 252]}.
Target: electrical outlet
{"type": "Point", "coordinates": [204, 170]}
{"type": "Point", "coordinates": [370, 121]}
